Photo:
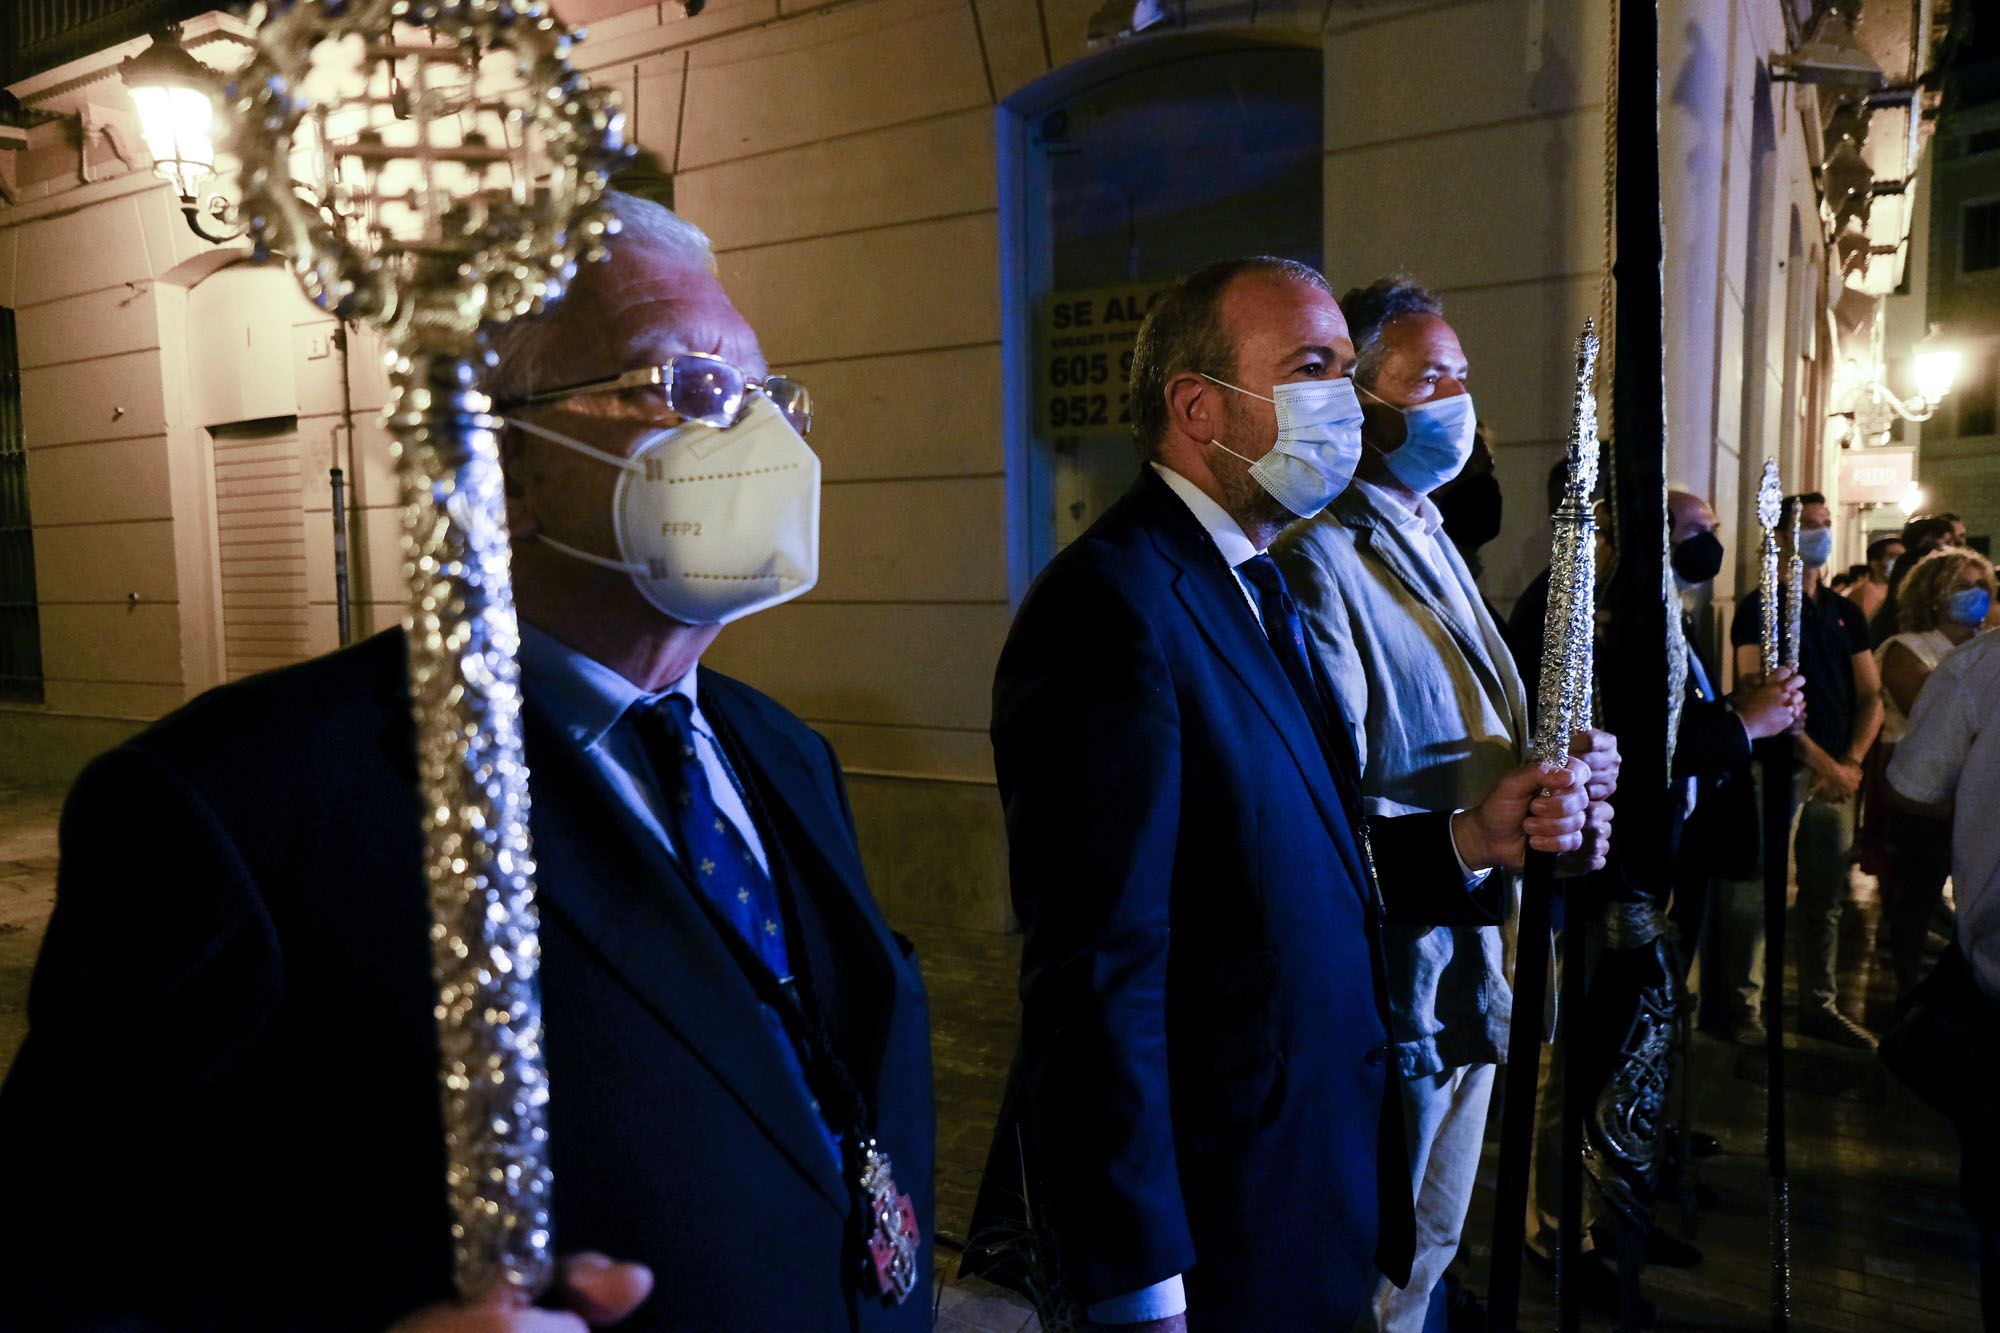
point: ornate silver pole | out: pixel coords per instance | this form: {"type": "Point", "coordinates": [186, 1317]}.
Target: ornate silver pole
{"type": "Point", "coordinates": [1776, 756]}
{"type": "Point", "coordinates": [460, 161]}
{"type": "Point", "coordinates": [1569, 628]}
{"type": "Point", "coordinates": [1563, 705]}
{"type": "Point", "coordinates": [1770, 499]}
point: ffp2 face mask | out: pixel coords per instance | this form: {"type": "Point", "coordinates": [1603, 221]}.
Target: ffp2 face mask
{"type": "Point", "coordinates": [712, 523]}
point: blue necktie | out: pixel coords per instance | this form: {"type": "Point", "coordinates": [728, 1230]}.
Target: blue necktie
{"type": "Point", "coordinates": [715, 854]}
{"type": "Point", "coordinates": [724, 870]}
{"type": "Point", "coordinates": [1284, 629]}
{"type": "Point", "coordinates": [1287, 636]}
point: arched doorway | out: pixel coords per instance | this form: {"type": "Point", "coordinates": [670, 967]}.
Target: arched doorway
{"type": "Point", "coordinates": [1117, 174]}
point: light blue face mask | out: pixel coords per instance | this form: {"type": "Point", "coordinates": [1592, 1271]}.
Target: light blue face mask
{"type": "Point", "coordinates": [1968, 606]}
{"type": "Point", "coordinates": [1437, 439]}
{"type": "Point", "coordinates": [1815, 546]}
{"type": "Point", "coordinates": [1319, 443]}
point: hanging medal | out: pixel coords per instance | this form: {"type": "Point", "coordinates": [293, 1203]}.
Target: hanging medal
{"type": "Point", "coordinates": [894, 1239]}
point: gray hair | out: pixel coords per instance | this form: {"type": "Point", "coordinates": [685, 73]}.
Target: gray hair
{"type": "Point", "coordinates": [1184, 332]}
{"type": "Point", "coordinates": [1371, 309]}
{"type": "Point", "coordinates": [529, 352]}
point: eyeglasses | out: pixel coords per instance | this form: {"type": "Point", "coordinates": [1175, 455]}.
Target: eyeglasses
{"type": "Point", "coordinates": [694, 387]}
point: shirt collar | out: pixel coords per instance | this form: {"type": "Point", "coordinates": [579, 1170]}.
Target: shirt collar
{"type": "Point", "coordinates": [585, 698]}
{"type": "Point", "coordinates": [1214, 519]}
{"type": "Point", "coordinates": [1427, 517]}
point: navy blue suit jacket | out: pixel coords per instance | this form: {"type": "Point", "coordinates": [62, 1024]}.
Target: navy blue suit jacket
{"type": "Point", "coordinates": [1201, 1084]}
{"type": "Point", "coordinates": [226, 1112]}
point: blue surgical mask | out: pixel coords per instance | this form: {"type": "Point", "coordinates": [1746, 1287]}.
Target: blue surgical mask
{"type": "Point", "coordinates": [1437, 439]}
{"type": "Point", "coordinates": [1968, 606]}
{"type": "Point", "coordinates": [1319, 442]}
{"type": "Point", "coordinates": [1815, 546]}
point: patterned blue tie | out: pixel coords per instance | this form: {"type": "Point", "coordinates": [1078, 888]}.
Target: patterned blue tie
{"type": "Point", "coordinates": [1287, 635]}
{"type": "Point", "coordinates": [717, 858]}
{"type": "Point", "coordinates": [1284, 629]}
{"type": "Point", "coordinates": [724, 870]}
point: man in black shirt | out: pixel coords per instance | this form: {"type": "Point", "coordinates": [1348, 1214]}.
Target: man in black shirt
{"type": "Point", "coordinates": [1843, 713]}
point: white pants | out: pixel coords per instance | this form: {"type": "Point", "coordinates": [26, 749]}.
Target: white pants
{"type": "Point", "coordinates": [1445, 1118]}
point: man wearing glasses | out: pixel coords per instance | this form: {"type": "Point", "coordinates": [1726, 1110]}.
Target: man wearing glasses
{"type": "Point", "coordinates": [226, 1111]}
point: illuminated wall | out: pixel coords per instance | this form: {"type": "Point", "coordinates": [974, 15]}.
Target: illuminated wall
{"type": "Point", "coordinates": [852, 163]}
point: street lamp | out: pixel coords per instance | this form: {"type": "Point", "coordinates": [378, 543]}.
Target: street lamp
{"type": "Point", "coordinates": [175, 94]}
{"type": "Point", "coordinates": [1933, 368]}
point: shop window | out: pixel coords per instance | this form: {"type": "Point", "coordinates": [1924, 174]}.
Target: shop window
{"type": "Point", "coordinates": [1124, 172]}
{"type": "Point", "coordinates": [1979, 237]}
{"type": "Point", "coordinates": [20, 617]}
{"type": "Point", "coordinates": [1977, 398]}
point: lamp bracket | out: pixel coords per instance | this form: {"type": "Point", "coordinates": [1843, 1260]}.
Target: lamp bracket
{"type": "Point", "coordinates": [95, 125]}
{"type": "Point", "coordinates": [222, 209]}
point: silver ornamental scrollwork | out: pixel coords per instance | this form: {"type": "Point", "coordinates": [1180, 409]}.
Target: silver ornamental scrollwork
{"type": "Point", "coordinates": [1770, 501]}
{"type": "Point", "coordinates": [1622, 1134]}
{"type": "Point", "coordinates": [539, 155]}
{"type": "Point", "coordinates": [456, 167]}
{"type": "Point", "coordinates": [1567, 646]}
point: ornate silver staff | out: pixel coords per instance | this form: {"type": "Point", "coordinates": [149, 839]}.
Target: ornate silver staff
{"type": "Point", "coordinates": [1563, 705]}
{"type": "Point", "coordinates": [1776, 757]}
{"type": "Point", "coordinates": [457, 161]}
{"type": "Point", "coordinates": [1770, 500]}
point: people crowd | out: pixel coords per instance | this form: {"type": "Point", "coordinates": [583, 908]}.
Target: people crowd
{"type": "Point", "coordinates": [1266, 758]}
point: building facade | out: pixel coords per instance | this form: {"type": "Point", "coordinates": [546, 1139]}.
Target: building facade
{"type": "Point", "coordinates": [946, 216]}
{"type": "Point", "coordinates": [1959, 450]}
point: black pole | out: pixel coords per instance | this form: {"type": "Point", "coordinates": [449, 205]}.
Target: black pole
{"type": "Point", "coordinates": [1576, 1097]}
{"type": "Point", "coordinates": [338, 481]}
{"type": "Point", "coordinates": [1778, 758]}
{"type": "Point", "coordinates": [1517, 1112]}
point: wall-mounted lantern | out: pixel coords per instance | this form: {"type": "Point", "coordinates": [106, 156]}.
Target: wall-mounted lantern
{"type": "Point", "coordinates": [176, 97]}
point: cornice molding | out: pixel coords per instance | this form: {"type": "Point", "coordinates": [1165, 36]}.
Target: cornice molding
{"type": "Point", "coordinates": [220, 40]}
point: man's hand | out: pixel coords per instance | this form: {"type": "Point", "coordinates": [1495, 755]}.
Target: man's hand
{"type": "Point", "coordinates": [1833, 779]}
{"type": "Point", "coordinates": [1173, 1323]}
{"type": "Point", "coordinates": [597, 1292]}
{"type": "Point", "coordinates": [1836, 781]}
{"type": "Point", "coordinates": [1598, 750]}
{"type": "Point", "coordinates": [1596, 847]}
{"type": "Point", "coordinates": [1531, 807]}
{"type": "Point", "coordinates": [1770, 705]}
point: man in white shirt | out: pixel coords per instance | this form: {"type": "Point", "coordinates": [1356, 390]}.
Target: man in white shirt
{"type": "Point", "coordinates": [1438, 713]}
{"type": "Point", "coordinates": [1948, 764]}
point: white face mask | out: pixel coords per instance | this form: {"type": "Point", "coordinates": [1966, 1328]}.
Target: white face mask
{"type": "Point", "coordinates": [1319, 443]}
{"type": "Point", "coordinates": [711, 524]}
{"type": "Point", "coordinates": [1437, 440]}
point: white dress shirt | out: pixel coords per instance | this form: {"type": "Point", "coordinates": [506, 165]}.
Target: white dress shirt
{"type": "Point", "coordinates": [1952, 751]}
{"type": "Point", "coordinates": [1423, 528]}
{"type": "Point", "coordinates": [595, 707]}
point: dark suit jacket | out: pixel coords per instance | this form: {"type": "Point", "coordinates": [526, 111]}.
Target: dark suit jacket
{"type": "Point", "coordinates": [1713, 748]}
{"type": "Point", "coordinates": [226, 1112]}
{"type": "Point", "coordinates": [1201, 1080]}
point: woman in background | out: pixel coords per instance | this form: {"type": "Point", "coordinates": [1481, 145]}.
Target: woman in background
{"type": "Point", "coordinates": [1942, 602]}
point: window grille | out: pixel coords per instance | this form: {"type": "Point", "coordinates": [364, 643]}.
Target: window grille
{"type": "Point", "coordinates": [1979, 237]}
{"type": "Point", "coordinates": [20, 619]}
